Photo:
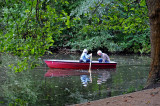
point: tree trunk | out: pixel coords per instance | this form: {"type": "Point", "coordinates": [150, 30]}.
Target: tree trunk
{"type": "Point", "coordinates": [154, 17]}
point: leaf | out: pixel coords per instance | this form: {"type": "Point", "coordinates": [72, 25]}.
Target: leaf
{"type": "Point", "coordinates": [32, 51]}
{"type": "Point", "coordinates": [27, 11]}
{"type": "Point", "coordinates": [142, 3]}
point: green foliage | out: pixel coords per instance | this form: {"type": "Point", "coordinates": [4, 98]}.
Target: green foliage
{"type": "Point", "coordinates": [128, 16]}
{"type": "Point", "coordinates": [97, 42]}
{"type": "Point", "coordinates": [19, 102]}
{"type": "Point", "coordinates": [123, 20]}
{"type": "Point", "coordinates": [31, 25]}
{"type": "Point", "coordinates": [139, 43]}
{"type": "Point", "coordinates": [30, 28]}
{"type": "Point", "coordinates": [44, 24]}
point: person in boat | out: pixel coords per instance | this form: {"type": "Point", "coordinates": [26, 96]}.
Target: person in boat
{"type": "Point", "coordinates": [85, 57]}
{"type": "Point", "coordinates": [104, 57]}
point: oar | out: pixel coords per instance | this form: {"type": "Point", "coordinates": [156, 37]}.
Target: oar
{"type": "Point", "coordinates": [90, 63]}
{"type": "Point", "coordinates": [90, 68]}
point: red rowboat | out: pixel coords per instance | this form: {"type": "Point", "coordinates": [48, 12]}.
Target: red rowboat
{"type": "Point", "coordinates": [75, 64]}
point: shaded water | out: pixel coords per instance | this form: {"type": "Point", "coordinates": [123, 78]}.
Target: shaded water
{"type": "Point", "coordinates": [56, 87]}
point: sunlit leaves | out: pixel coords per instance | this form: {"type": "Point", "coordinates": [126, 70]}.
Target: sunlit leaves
{"type": "Point", "coordinates": [31, 30]}
{"type": "Point", "coordinates": [143, 3]}
{"type": "Point", "coordinates": [68, 22]}
{"type": "Point", "coordinates": [27, 11]}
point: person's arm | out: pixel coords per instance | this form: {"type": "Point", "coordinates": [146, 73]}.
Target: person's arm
{"type": "Point", "coordinates": [87, 56]}
{"type": "Point", "coordinates": [108, 59]}
{"type": "Point", "coordinates": [83, 57]}
{"type": "Point", "coordinates": [103, 57]}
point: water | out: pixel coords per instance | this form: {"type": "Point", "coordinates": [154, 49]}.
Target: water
{"type": "Point", "coordinates": [43, 86]}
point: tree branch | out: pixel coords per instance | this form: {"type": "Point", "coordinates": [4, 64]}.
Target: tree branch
{"type": "Point", "coordinates": [98, 4]}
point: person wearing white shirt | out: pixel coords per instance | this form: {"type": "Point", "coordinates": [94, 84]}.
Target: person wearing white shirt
{"type": "Point", "coordinates": [85, 57]}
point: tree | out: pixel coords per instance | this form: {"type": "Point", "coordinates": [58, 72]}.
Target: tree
{"type": "Point", "coordinates": [154, 17]}
{"type": "Point", "coordinates": [29, 28]}
{"type": "Point", "coordinates": [123, 25]}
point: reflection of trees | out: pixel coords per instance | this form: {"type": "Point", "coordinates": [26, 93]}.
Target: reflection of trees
{"type": "Point", "coordinates": [61, 90]}
{"type": "Point", "coordinates": [0, 59]}
{"type": "Point", "coordinates": [71, 88]}
{"type": "Point", "coordinates": [128, 78]}
{"type": "Point", "coordinates": [19, 87]}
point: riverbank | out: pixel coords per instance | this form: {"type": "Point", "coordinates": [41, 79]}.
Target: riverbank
{"type": "Point", "coordinates": [147, 97]}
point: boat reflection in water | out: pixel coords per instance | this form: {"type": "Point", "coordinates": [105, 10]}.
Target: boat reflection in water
{"type": "Point", "coordinates": [64, 73]}
{"type": "Point", "coordinates": [85, 75]}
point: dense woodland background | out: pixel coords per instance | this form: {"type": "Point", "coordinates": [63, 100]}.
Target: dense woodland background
{"type": "Point", "coordinates": [30, 27]}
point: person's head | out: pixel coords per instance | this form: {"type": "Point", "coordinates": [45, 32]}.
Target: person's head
{"type": "Point", "coordinates": [99, 52]}
{"type": "Point", "coordinates": [85, 51]}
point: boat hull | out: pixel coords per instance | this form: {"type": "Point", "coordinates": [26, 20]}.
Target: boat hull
{"type": "Point", "coordinates": [69, 64]}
